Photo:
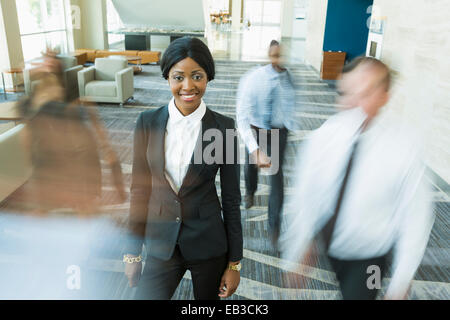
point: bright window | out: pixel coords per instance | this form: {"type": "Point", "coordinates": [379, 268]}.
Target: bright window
{"type": "Point", "coordinates": [215, 6]}
{"type": "Point", "coordinates": [263, 12]}
{"type": "Point", "coordinates": [42, 24]}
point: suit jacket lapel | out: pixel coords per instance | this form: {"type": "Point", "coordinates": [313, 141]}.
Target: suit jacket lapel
{"type": "Point", "coordinates": [197, 162]}
{"type": "Point", "coordinates": [155, 149]}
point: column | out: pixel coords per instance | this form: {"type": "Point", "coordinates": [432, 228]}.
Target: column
{"type": "Point", "coordinates": [317, 16]}
{"type": "Point", "coordinates": [236, 15]}
{"type": "Point", "coordinates": [10, 43]}
{"type": "Point", "coordinates": [94, 24]}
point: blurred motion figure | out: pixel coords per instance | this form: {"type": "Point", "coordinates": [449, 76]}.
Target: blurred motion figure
{"type": "Point", "coordinates": [360, 185]}
{"type": "Point", "coordinates": [265, 105]}
{"type": "Point", "coordinates": [65, 149]}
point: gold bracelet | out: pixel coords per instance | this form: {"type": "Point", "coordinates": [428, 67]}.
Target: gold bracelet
{"type": "Point", "coordinates": [235, 267]}
{"type": "Point", "coordinates": [129, 259]}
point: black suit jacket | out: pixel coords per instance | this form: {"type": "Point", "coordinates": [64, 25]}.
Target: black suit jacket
{"type": "Point", "coordinates": [193, 217]}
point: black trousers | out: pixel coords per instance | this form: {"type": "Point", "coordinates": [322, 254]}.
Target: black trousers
{"type": "Point", "coordinates": [160, 278]}
{"type": "Point", "coordinates": [353, 275]}
{"type": "Point", "coordinates": [276, 181]}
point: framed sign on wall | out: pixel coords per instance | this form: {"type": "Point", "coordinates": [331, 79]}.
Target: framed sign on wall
{"type": "Point", "coordinates": [377, 28]}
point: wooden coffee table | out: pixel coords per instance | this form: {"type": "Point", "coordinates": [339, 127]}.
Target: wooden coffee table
{"type": "Point", "coordinates": [14, 72]}
{"type": "Point", "coordinates": [80, 56]}
{"type": "Point", "coordinates": [138, 60]}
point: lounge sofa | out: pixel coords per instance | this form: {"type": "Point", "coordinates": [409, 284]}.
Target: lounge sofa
{"type": "Point", "coordinates": [147, 56]}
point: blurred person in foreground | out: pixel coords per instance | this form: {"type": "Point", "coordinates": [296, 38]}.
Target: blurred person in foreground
{"type": "Point", "coordinates": [65, 140]}
{"type": "Point", "coordinates": [360, 186]}
{"type": "Point", "coordinates": [264, 114]}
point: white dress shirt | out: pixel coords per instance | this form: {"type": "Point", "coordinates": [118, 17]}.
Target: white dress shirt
{"type": "Point", "coordinates": [386, 203]}
{"type": "Point", "coordinates": [180, 140]}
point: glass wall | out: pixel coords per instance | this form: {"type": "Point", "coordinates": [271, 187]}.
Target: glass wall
{"type": "Point", "coordinates": [263, 12]}
{"type": "Point", "coordinates": [42, 24]}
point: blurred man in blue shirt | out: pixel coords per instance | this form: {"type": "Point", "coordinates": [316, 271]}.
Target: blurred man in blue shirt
{"type": "Point", "coordinates": [264, 113]}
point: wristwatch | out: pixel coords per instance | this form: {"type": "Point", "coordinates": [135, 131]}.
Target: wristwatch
{"type": "Point", "coordinates": [129, 259]}
{"type": "Point", "coordinates": [235, 267]}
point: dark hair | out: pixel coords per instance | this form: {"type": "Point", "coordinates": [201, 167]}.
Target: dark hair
{"type": "Point", "coordinates": [183, 48]}
{"type": "Point", "coordinates": [274, 43]}
{"type": "Point", "coordinates": [351, 65]}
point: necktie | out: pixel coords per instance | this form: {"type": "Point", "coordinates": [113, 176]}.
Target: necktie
{"type": "Point", "coordinates": [327, 231]}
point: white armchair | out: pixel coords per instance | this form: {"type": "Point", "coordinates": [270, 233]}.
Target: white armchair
{"type": "Point", "coordinates": [70, 70]}
{"type": "Point", "coordinates": [15, 159]}
{"type": "Point", "coordinates": [110, 80]}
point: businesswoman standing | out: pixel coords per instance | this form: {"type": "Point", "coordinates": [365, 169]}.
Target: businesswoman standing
{"type": "Point", "coordinates": [175, 209]}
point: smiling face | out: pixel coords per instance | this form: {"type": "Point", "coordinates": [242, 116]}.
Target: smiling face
{"type": "Point", "coordinates": [187, 81]}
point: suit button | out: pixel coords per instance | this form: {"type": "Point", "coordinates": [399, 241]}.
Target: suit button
{"type": "Point", "coordinates": [178, 219]}
{"type": "Point", "coordinates": [176, 201]}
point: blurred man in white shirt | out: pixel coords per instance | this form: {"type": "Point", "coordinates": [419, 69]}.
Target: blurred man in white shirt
{"type": "Point", "coordinates": [360, 186]}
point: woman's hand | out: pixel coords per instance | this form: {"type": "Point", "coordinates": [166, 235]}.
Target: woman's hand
{"type": "Point", "coordinates": [229, 283]}
{"type": "Point", "coordinates": [133, 273]}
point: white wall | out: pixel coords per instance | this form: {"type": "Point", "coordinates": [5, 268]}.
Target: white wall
{"type": "Point", "coordinates": [186, 14]}
{"type": "Point", "coordinates": [416, 46]}
{"type": "Point", "coordinates": [316, 19]}
{"type": "Point", "coordinates": [77, 34]}
{"type": "Point", "coordinates": [299, 26]}
{"type": "Point", "coordinates": [287, 18]}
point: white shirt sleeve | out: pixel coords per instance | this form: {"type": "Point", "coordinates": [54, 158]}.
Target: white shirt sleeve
{"type": "Point", "coordinates": [245, 105]}
{"type": "Point", "coordinates": [416, 219]}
